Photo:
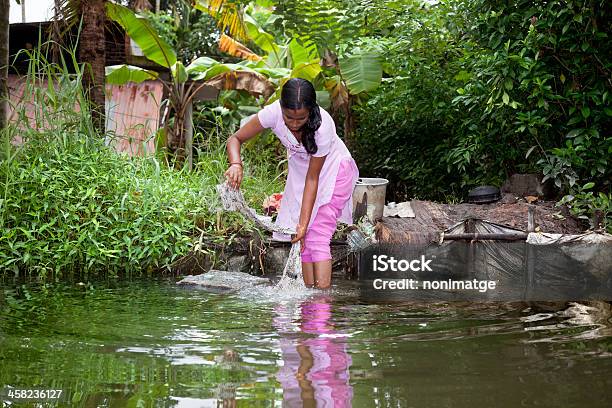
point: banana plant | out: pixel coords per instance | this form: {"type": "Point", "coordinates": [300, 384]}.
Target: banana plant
{"type": "Point", "coordinates": [281, 62]}
{"type": "Point", "coordinates": [227, 13]}
{"type": "Point", "coordinates": [357, 74]}
{"type": "Point", "coordinates": [347, 80]}
{"type": "Point", "coordinates": [186, 81]}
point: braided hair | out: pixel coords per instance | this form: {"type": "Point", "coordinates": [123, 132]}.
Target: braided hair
{"type": "Point", "coordinates": [298, 93]}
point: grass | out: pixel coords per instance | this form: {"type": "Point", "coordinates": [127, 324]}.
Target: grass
{"type": "Point", "coordinates": [70, 205]}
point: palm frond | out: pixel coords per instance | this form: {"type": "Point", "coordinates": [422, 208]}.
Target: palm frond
{"type": "Point", "coordinates": [227, 13]}
{"type": "Point", "coordinates": [236, 49]}
{"type": "Point", "coordinates": [68, 11]}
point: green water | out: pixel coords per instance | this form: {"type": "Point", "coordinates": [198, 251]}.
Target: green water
{"type": "Point", "coordinates": [153, 344]}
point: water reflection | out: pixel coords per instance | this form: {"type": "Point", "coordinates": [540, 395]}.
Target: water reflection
{"type": "Point", "coordinates": [150, 345]}
{"type": "Point", "coordinates": [315, 367]}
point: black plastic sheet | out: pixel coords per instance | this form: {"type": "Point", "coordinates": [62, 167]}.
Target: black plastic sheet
{"type": "Point", "coordinates": [544, 267]}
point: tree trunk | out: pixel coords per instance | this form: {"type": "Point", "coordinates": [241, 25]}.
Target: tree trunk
{"type": "Point", "coordinates": [188, 124]}
{"type": "Point", "coordinates": [349, 123]}
{"type": "Point", "coordinates": [4, 60]}
{"type": "Point", "coordinates": [92, 52]}
{"type": "Point", "coordinates": [56, 32]}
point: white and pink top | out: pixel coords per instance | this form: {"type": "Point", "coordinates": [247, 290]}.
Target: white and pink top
{"type": "Point", "coordinates": [328, 144]}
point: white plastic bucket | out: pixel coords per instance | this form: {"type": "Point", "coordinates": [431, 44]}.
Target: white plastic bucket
{"type": "Point", "coordinates": [369, 198]}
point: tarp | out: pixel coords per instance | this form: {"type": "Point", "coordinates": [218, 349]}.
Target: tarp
{"type": "Point", "coordinates": [555, 267]}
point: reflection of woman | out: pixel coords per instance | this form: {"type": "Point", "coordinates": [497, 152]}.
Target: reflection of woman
{"type": "Point", "coordinates": [321, 178]}
{"type": "Point", "coordinates": [315, 371]}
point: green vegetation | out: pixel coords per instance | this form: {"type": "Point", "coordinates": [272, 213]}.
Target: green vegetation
{"type": "Point", "coordinates": [483, 89]}
{"type": "Point", "coordinates": [474, 91]}
{"type": "Point", "coordinates": [436, 96]}
{"type": "Point", "coordinates": [70, 205]}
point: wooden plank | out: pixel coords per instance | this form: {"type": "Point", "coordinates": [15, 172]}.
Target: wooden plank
{"type": "Point", "coordinates": [433, 218]}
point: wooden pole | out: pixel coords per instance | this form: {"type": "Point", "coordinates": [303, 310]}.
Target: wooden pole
{"type": "Point", "coordinates": [531, 218]}
{"type": "Point", "coordinates": [475, 236]}
{"type": "Point", "coordinates": [188, 123]}
{"type": "Point", "coordinates": [530, 255]}
{"type": "Point", "coordinates": [4, 61]}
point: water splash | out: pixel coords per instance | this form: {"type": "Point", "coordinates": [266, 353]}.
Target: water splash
{"type": "Point", "coordinates": [292, 279]}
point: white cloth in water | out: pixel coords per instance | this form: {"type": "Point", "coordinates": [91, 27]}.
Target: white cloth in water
{"type": "Point", "coordinates": [233, 200]}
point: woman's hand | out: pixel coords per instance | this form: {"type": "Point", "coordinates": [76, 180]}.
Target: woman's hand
{"type": "Point", "coordinates": [300, 234]}
{"type": "Point", "coordinates": [234, 175]}
{"type": "Point", "coordinates": [248, 131]}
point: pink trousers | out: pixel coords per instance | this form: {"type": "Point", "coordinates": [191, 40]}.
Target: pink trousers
{"type": "Point", "coordinates": [319, 234]}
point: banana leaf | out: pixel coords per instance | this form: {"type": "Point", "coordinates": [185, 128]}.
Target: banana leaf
{"type": "Point", "coordinates": [362, 72]}
{"type": "Point", "coordinates": [142, 33]}
{"type": "Point", "coordinates": [122, 74]}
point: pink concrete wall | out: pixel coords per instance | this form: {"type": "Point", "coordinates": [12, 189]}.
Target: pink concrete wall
{"type": "Point", "coordinates": [132, 116]}
{"type": "Point", "coordinates": [34, 115]}
{"type": "Point", "coordinates": [132, 113]}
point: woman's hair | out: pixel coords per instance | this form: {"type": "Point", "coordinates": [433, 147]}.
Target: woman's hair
{"type": "Point", "coordinates": [298, 93]}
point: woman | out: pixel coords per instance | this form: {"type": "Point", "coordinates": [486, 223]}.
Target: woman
{"type": "Point", "coordinates": [322, 174]}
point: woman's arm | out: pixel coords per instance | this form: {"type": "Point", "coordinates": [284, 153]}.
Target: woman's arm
{"type": "Point", "coordinates": [248, 131]}
{"type": "Point", "coordinates": [309, 196]}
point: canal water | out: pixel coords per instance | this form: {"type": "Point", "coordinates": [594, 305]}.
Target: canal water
{"type": "Point", "coordinates": [156, 344]}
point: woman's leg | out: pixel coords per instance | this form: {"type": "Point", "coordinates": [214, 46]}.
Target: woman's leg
{"type": "Point", "coordinates": [308, 274]}
{"type": "Point", "coordinates": [317, 252]}
{"type": "Point", "coordinates": [317, 241]}
{"type": "Point", "coordinates": [316, 257]}
{"type": "Point", "coordinates": [322, 274]}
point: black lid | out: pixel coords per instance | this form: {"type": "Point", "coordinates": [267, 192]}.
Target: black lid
{"type": "Point", "coordinates": [484, 194]}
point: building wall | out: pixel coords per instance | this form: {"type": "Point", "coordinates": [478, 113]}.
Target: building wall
{"type": "Point", "coordinates": [132, 113]}
{"type": "Point", "coordinates": [132, 116]}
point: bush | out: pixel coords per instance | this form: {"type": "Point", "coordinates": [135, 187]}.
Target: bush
{"type": "Point", "coordinates": [76, 206]}
{"type": "Point", "coordinates": [489, 88]}
{"type": "Point", "coordinates": [72, 205]}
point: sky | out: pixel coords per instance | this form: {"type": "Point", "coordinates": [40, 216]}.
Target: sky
{"type": "Point", "coordinates": [36, 11]}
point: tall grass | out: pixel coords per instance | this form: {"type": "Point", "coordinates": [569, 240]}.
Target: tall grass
{"type": "Point", "coordinates": [70, 205]}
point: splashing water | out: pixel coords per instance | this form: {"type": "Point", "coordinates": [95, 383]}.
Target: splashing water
{"type": "Point", "coordinates": [292, 279]}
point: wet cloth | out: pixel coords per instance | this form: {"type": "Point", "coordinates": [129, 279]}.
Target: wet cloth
{"type": "Point", "coordinates": [328, 144]}
{"type": "Point", "coordinates": [233, 200]}
{"type": "Point", "coordinates": [318, 236]}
